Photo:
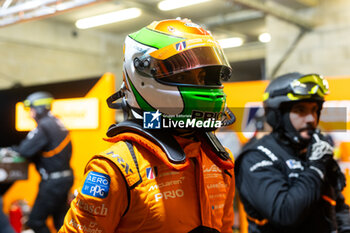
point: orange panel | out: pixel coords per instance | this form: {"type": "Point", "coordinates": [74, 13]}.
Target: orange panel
{"type": "Point", "coordinates": [346, 191]}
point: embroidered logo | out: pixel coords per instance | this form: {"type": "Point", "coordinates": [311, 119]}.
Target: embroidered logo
{"type": "Point", "coordinates": [293, 164]}
{"type": "Point", "coordinates": [180, 46]}
{"type": "Point", "coordinates": [266, 151]}
{"type": "Point", "coordinates": [151, 173]}
{"type": "Point", "coordinates": [121, 161]}
{"type": "Point", "coordinates": [96, 184]}
{"type": "Point", "coordinates": [263, 163]}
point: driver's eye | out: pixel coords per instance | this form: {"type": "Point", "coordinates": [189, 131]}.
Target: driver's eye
{"type": "Point", "coordinates": [201, 77]}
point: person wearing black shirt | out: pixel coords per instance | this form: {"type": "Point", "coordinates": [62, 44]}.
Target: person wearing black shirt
{"type": "Point", "coordinates": [49, 147]}
{"type": "Point", "coordinates": [288, 180]}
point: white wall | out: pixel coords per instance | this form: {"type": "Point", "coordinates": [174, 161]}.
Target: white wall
{"type": "Point", "coordinates": [324, 50]}
{"type": "Point", "coordinates": [46, 51]}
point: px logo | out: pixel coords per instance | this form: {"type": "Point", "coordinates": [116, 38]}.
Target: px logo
{"type": "Point", "coordinates": [96, 184]}
{"type": "Point", "coordinates": [152, 120]}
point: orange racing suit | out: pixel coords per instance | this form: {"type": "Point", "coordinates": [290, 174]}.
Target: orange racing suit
{"type": "Point", "coordinates": [133, 187]}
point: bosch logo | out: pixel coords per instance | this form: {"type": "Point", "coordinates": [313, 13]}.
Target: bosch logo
{"type": "Point", "coordinates": [97, 210]}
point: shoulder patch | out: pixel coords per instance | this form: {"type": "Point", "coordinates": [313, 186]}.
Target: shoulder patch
{"type": "Point", "coordinates": [267, 152]}
{"type": "Point", "coordinates": [151, 172]}
{"type": "Point", "coordinates": [125, 160]}
{"type": "Point", "coordinates": [263, 163]}
{"type": "Point", "coordinates": [126, 168]}
{"type": "Point", "coordinates": [31, 134]}
{"type": "Point", "coordinates": [96, 184]}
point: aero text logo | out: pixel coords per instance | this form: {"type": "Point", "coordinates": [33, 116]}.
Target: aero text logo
{"type": "Point", "coordinates": [96, 184]}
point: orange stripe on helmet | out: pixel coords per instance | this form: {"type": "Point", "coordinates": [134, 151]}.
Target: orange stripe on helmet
{"type": "Point", "coordinates": [181, 28]}
{"type": "Point", "coordinates": [173, 49]}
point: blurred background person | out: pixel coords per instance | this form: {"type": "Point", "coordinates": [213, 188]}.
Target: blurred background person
{"type": "Point", "coordinates": [49, 147]}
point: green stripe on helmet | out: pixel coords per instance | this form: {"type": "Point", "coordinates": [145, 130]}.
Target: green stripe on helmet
{"type": "Point", "coordinates": [141, 101]}
{"type": "Point", "coordinates": [153, 38]}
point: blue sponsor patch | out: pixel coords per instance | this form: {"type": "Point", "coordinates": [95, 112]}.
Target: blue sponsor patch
{"type": "Point", "coordinates": [96, 184]}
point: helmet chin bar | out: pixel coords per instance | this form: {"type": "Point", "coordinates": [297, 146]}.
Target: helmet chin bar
{"type": "Point", "coordinates": [40, 112]}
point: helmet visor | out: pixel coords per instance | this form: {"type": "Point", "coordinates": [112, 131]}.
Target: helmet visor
{"type": "Point", "coordinates": [196, 66]}
{"type": "Point", "coordinates": [208, 76]}
{"type": "Point", "coordinates": [38, 102]}
{"type": "Point", "coordinates": [310, 85]}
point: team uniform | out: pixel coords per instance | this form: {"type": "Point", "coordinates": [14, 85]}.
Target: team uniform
{"type": "Point", "coordinates": [49, 147]}
{"type": "Point", "coordinates": [281, 193]}
{"type": "Point", "coordinates": [288, 180]}
{"type": "Point", "coordinates": [153, 180]}
{"type": "Point", "coordinates": [132, 187]}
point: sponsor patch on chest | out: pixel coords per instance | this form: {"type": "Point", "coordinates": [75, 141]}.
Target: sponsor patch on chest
{"type": "Point", "coordinates": [293, 164]}
{"type": "Point", "coordinates": [170, 194]}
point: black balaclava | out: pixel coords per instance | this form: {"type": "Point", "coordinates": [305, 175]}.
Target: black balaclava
{"type": "Point", "coordinates": [287, 130]}
{"type": "Point", "coordinates": [40, 112]}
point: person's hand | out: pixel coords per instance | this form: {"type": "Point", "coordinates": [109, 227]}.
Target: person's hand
{"type": "Point", "coordinates": [335, 176]}
{"type": "Point", "coordinates": [319, 148]}
{"type": "Point", "coordinates": [319, 153]}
